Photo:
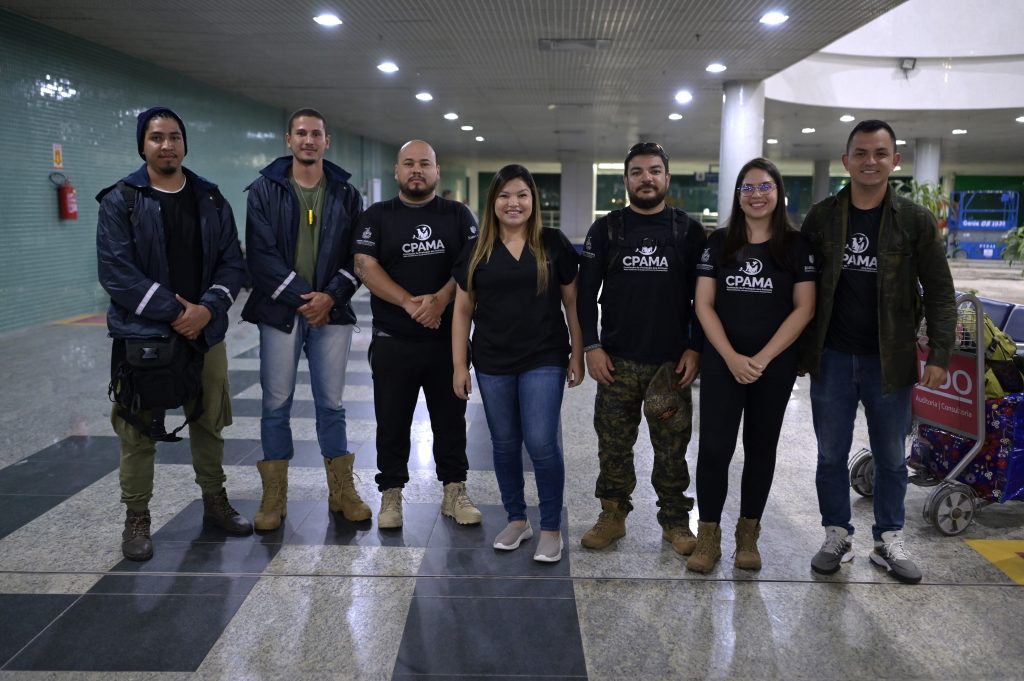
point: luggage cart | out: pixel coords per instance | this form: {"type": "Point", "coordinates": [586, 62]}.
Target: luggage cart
{"type": "Point", "coordinates": [957, 406]}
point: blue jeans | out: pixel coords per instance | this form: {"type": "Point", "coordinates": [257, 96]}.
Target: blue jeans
{"type": "Point", "coordinates": [843, 381]}
{"type": "Point", "coordinates": [524, 409]}
{"type": "Point", "coordinates": [327, 350]}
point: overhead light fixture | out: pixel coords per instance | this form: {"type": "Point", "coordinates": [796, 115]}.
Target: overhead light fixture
{"type": "Point", "coordinates": [715, 68]}
{"type": "Point", "coordinates": [388, 66]}
{"type": "Point", "coordinates": [959, 131]}
{"type": "Point", "coordinates": [675, 116]}
{"type": "Point", "coordinates": [897, 168]}
{"type": "Point", "coordinates": [424, 96]}
{"type": "Point", "coordinates": [774, 18]}
{"type": "Point", "coordinates": [451, 116]}
{"type": "Point", "coordinates": [327, 20]}
{"type": "Point", "coordinates": [807, 131]}
{"type": "Point", "coordinates": [684, 97]}
{"type": "Point", "coordinates": [908, 63]}
{"type": "Point", "coordinates": [1020, 119]}
{"type": "Point", "coordinates": [900, 143]}
{"type": "Point", "coordinates": [466, 128]}
{"type": "Point", "coordinates": [771, 140]}
{"type": "Point", "coordinates": [846, 118]}
{"type": "Point", "coordinates": [479, 138]}
{"type": "Point", "coordinates": [609, 166]}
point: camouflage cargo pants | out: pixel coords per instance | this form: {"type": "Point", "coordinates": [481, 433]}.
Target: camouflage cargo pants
{"type": "Point", "coordinates": [617, 412]}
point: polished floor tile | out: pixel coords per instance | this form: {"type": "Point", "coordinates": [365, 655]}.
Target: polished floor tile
{"type": "Point", "coordinates": [324, 528]}
{"type": "Point", "coordinates": [33, 613]}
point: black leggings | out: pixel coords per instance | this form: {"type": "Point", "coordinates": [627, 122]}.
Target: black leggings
{"type": "Point", "coordinates": [763, 406]}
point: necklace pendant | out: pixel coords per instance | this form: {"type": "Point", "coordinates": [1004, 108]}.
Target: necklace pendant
{"type": "Point", "coordinates": [311, 216]}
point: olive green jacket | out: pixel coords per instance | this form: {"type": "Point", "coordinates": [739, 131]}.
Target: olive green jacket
{"type": "Point", "coordinates": [910, 252]}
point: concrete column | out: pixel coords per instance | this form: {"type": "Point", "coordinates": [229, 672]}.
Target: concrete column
{"type": "Point", "coordinates": [742, 136]}
{"type": "Point", "coordinates": [579, 188]}
{"type": "Point", "coordinates": [820, 184]}
{"type": "Point", "coordinates": [926, 160]}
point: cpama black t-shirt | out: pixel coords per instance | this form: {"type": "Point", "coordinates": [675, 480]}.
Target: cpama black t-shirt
{"type": "Point", "coordinates": [853, 327]}
{"type": "Point", "coordinates": [753, 296]}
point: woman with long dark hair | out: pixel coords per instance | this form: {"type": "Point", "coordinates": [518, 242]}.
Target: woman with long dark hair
{"type": "Point", "coordinates": [755, 295]}
{"type": "Point", "coordinates": [513, 282]}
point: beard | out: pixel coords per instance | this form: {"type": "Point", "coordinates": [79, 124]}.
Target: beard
{"type": "Point", "coordinates": [167, 170]}
{"type": "Point", "coordinates": [418, 192]}
{"type": "Point", "coordinates": [646, 203]}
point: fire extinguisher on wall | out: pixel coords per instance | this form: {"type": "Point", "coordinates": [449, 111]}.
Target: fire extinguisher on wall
{"type": "Point", "coordinates": [67, 197]}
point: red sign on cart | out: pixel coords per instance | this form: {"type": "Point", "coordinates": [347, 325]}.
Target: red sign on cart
{"type": "Point", "coordinates": [953, 405]}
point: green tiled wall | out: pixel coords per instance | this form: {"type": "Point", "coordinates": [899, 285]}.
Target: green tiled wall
{"type": "Point", "coordinates": [88, 106]}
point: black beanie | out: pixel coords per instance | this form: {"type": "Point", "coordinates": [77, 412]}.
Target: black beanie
{"type": "Point", "coordinates": [145, 116]}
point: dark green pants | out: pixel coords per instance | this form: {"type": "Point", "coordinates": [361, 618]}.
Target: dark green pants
{"type": "Point", "coordinates": [617, 413]}
{"type": "Point", "coordinates": [138, 452]}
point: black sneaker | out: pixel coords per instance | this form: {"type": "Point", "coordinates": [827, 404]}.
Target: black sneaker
{"type": "Point", "coordinates": [836, 550]}
{"type": "Point", "coordinates": [891, 554]}
{"type": "Point", "coordinates": [135, 541]}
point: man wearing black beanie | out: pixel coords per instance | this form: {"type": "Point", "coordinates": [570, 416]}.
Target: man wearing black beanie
{"type": "Point", "coordinates": [169, 258]}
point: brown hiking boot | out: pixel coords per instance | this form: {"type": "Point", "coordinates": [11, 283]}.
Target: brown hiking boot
{"type": "Point", "coordinates": [343, 496]}
{"type": "Point", "coordinates": [274, 505]}
{"type": "Point", "coordinates": [219, 512]}
{"type": "Point", "coordinates": [709, 548]}
{"type": "Point", "coordinates": [135, 541]}
{"type": "Point", "coordinates": [747, 555]}
{"type": "Point", "coordinates": [681, 539]}
{"type": "Point", "coordinates": [610, 525]}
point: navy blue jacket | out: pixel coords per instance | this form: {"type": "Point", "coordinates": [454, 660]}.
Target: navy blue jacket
{"type": "Point", "coordinates": [271, 236]}
{"type": "Point", "coordinates": [133, 268]}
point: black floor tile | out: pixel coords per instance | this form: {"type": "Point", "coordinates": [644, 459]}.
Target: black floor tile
{"type": "Point", "coordinates": [487, 587]}
{"type": "Point", "coordinates": [188, 525]}
{"type": "Point", "coordinates": [467, 550]}
{"type": "Point", "coordinates": [473, 637]}
{"type": "Point", "coordinates": [20, 509]}
{"type": "Point", "coordinates": [54, 476]}
{"type": "Point", "coordinates": [235, 451]}
{"type": "Point", "coordinates": [24, 616]}
{"type": "Point", "coordinates": [239, 554]}
{"type": "Point", "coordinates": [72, 450]}
{"type": "Point", "coordinates": [163, 585]}
{"type": "Point", "coordinates": [156, 633]}
{"type": "Point", "coordinates": [324, 528]}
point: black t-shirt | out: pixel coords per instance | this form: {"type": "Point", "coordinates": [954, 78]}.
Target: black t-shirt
{"type": "Point", "coordinates": [180, 216]}
{"type": "Point", "coordinates": [416, 246]}
{"type": "Point", "coordinates": [516, 330]}
{"type": "Point", "coordinates": [647, 292]}
{"type": "Point", "coordinates": [753, 296]}
{"type": "Point", "coordinates": [854, 325]}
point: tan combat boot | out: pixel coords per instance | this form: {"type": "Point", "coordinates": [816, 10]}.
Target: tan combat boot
{"type": "Point", "coordinates": [610, 525]}
{"type": "Point", "coordinates": [274, 505]}
{"type": "Point", "coordinates": [457, 505]}
{"type": "Point", "coordinates": [747, 555]}
{"type": "Point", "coordinates": [681, 539]}
{"type": "Point", "coordinates": [709, 548]}
{"type": "Point", "coordinates": [343, 495]}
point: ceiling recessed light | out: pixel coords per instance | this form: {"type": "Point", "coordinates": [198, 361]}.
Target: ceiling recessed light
{"type": "Point", "coordinates": [1020, 119]}
{"type": "Point", "coordinates": [900, 143]}
{"type": "Point", "coordinates": [715, 68]}
{"type": "Point", "coordinates": [467, 128]}
{"type": "Point", "coordinates": [807, 131]}
{"type": "Point", "coordinates": [451, 116]}
{"type": "Point", "coordinates": [897, 168]}
{"type": "Point", "coordinates": [959, 131]}
{"type": "Point", "coordinates": [675, 116]}
{"type": "Point", "coordinates": [846, 118]}
{"type": "Point", "coordinates": [771, 140]}
{"type": "Point", "coordinates": [327, 20]}
{"type": "Point", "coordinates": [387, 66]}
{"type": "Point", "coordinates": [552, 107]}
{"type": "Point", "coordinates": [774, 18]}
{"type": "Point", "coordinates": [684, 97]}
{"type": "Point", "coordinates": [610, 166]}
{"type": "Point", "coordinates": [479, 138]}
{"type": "Point", "coordinates": [424, 96]}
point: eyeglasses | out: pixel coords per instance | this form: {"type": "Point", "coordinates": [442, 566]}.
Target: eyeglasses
{"type": "Point", "coordinates": [763, 188]}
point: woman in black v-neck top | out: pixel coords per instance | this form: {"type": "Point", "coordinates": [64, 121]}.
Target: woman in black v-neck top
{"type": "Point", "coordinates": [514, 281]}
{"type": "Point", "coordinates": [755, 295]}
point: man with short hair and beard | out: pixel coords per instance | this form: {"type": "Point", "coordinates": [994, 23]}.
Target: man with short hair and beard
{"type": "Point", "coordinates": [648, 353]}
{"type": "Point", "coordinates": [301, 211]}
{"type": "Point", "coordinates": [170, 260]}
{"type": "Point", "coordinates": [404, 251]}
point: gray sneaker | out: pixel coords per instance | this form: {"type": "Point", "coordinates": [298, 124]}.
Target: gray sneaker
{"type": "Point", "coordinates": [549, 549]}
{"type": "Point", "coordinates": [836, 550]}
{"type": "Point", "coordinates": [891, 554]}
{"type": "Point", "coordinates": [512, 536]}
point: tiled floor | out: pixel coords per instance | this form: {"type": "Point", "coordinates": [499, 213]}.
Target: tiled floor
{"type": "Point", "coordinates": [323, 598]}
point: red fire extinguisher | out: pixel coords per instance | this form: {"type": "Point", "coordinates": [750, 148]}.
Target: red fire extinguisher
{"type": "Point", "coordinates": [67, 197]}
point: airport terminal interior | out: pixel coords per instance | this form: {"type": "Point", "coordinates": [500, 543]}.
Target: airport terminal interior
{"type": "Point", "coordinates": [564, 88]}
